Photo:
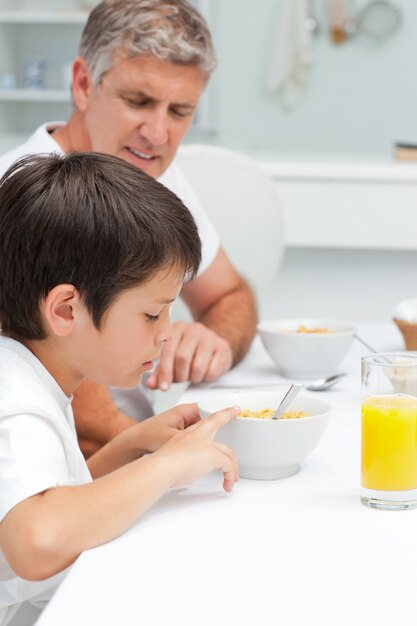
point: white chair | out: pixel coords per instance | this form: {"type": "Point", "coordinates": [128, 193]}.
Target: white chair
{"type": "Point", "coordinates": [242, 203]}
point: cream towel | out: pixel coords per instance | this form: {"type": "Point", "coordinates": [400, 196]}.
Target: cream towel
{"type": "Point", "coordinates": [292, 53]}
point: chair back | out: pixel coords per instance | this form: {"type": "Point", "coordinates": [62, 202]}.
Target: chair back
{"type": "Point", "coordinates": [242, 204]}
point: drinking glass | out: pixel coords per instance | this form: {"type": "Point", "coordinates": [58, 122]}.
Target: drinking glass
{"type": "Point", "coordinates": [389, 431]}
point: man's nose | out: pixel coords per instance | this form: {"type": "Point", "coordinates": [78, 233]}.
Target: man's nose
{"type": "Point", "coordinates": [155, 129]}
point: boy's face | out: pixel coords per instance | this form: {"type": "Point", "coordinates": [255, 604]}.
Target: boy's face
{"type": "Point", "coordinates": [131, 334]}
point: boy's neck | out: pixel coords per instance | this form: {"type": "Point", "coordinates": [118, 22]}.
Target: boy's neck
{"type": "Point", "coordinates": [52, 358]}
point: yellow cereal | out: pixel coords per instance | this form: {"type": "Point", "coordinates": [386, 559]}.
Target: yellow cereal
{"type": "Point", "coordinates": [304, 329]}
{"type": "Point", "coordinates": [268, 413]}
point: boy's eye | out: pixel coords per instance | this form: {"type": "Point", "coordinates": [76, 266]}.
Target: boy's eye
{"type": "Point", "coordinates": [152, 318]}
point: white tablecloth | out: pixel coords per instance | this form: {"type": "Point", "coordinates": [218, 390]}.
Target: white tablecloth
{"type": "Point", "coordinates": [294, 552]}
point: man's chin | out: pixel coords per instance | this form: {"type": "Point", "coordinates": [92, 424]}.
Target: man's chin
{"type": "Point", "coordinates": [154, 167]}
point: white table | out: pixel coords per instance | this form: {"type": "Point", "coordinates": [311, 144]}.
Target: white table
{"type": "Point", "coordinates": [294, 552]}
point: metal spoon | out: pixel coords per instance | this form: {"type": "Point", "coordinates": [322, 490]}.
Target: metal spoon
{"type": "Point", "coordinates": [311, 23]}
{"type": "Point", "coordinates": [382, 359]}
{"type": "Point", "coordinates": [325, 383]}
{"type": "Point", "coordinates": [286, 400]}
{"type": "Point", "coordinates": [367, 346]}
{"type": "Point", "coordinates": [316, 385]}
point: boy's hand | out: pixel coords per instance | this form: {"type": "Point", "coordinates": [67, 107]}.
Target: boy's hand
{"type": "Point", "coordinates": [156, 431]}
{"type": "Point", "coordinates": [192, 454]}
{"type": "Point", "coordinates": [194, 353]}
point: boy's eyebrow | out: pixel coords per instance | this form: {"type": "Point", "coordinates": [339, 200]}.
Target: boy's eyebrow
{"type": "Point", "coordinates": [165, 301]}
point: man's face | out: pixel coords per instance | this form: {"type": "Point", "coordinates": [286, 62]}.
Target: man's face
{"type": "Point", "coordinates": [141, 110]}
{"type": "Point", "coordinates": [131, 334]}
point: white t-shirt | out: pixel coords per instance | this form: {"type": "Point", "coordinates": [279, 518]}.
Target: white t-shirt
{"type": "Point", "coordinates": [136, 403]}
{"type": "Point", "coordinates": [43, 142]}
{"type": "Point", "coordinates": [38, 451]}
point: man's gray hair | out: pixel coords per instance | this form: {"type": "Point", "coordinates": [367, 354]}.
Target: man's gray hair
{"type": "Point", "coordinates": [170, 30]}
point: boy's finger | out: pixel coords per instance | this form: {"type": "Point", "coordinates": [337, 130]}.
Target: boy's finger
{"type": "Point", "coordinates": [213, 423]}
{"type": "Point", "coordinates": [229, 453]}
{"type": "Point", "coordinates": [189, 413]}
{"type": "Point", "coordinates": [229, 468]}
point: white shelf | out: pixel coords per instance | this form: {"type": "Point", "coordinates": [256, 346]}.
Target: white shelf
{"type": "Point", "coordinates": [34, 95]}
{"type": "Point", "coordinates": [43, 17]}
{"type": "Point", "coordinates": [338, 169]}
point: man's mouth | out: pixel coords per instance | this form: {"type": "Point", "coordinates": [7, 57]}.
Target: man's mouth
{"type": "Point", "coordinates": [142, 155]}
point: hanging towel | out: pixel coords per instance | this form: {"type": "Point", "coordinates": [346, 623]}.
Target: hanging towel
{"type": "Point", "coordinates": [291, 57]}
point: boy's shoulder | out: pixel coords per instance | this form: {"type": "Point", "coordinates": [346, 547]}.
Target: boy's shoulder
{"type": "Point", "coordinates": [25, 384]}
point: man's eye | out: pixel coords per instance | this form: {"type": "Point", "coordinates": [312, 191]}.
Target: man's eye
{"type": "Point", "coordinates": [136, 103]}
{"type": "Point", "coordinates": [152, 318]}
{"type": "Point", "coordinates": [180, 113]}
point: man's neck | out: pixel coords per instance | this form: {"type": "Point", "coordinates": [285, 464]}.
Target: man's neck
{"type": "Point", "coordinates": [73, 137]}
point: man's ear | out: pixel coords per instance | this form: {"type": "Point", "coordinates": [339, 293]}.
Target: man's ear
{"type": "Point", "coordinates": [61, 309]}
{"type": "Point", "coordinates": [82, 84]}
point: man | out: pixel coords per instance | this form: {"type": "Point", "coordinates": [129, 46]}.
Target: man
{"type": "Point", "coordinates": [136, 83]}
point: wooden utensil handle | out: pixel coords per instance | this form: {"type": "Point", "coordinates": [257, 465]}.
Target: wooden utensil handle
{"type": "Point", "coordinates": [338, 18]}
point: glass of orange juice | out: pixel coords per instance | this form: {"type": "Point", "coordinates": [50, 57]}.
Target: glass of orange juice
{"type": "Point", "coordinates": [389, 431]}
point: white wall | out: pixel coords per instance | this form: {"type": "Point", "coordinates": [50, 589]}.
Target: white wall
{"type": "Point", "coordinates": [356, 285]}
{"type": "Point", "coordinates": [362, 96]}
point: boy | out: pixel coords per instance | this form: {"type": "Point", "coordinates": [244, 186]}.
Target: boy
{"type": "Point", "coordinates": [92, 253]}
{"type": "Point", "coordinates": [143, 64]}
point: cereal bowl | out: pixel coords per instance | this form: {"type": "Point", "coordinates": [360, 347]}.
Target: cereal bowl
{"type": "Point", "coordinates": [267, 448]}
{"type": "Point", "coordinates": [306, 348]}
{"type": "Point", "coordinates": [401, 370]}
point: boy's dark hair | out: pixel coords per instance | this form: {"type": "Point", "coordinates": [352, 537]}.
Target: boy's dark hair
{"type": "Point", "coordinates": [88, 219]}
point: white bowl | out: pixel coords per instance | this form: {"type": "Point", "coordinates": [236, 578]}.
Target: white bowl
{"type": "Point", "coordinates": [402, 377]}
{"type": "Point", "coordinates": [306, 355]}
{"type": "Point", "coordinates": [267, 448]}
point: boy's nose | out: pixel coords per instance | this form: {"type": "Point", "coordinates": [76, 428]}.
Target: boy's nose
{"type": "Point", "coordinates": [165, 334]}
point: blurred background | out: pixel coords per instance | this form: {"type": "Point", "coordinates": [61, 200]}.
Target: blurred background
{"type": "Point", "coordinates": [317, 92]}
{"type": "Point", "coordinates": [360, 96]}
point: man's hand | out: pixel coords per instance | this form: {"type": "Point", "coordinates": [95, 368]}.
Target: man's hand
{"type": "Point", "coordinates": [194, 353]}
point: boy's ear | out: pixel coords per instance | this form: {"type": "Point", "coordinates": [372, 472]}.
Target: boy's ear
{"type": "Point", "coordinates": [60, 309]}
{"type": "Point", "coordinates": [82, 84]}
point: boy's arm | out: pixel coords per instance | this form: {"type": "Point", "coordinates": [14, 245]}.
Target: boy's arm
{"type": "Point", "coordinates": [44, 534]}
{"type": "Point", "coordinates": [143, 437]}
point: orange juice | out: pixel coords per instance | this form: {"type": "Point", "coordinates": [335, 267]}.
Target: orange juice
{"type": "Point", "coordinates": [389, 443]}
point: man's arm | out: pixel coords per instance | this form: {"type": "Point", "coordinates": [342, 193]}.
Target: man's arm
{"type": "Point", "coordinates": [221, 300]}
{"type": "Point", "coordinates": [97, 419]}
{"type": "Point", "coordinates": [224, 310]}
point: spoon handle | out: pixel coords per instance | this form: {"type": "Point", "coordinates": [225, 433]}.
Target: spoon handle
{"type": "Point", "coordinates": [287, 399]}
{"type": "Point", "coordinates": [249, 386]}
{"type": "Point", "coordinates": [382, 359]}
{"type": "Point", "coordinates": [367, 346]}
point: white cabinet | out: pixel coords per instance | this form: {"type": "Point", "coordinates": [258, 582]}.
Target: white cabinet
{"type": "Point", "coordinates": [48, 31]}
{"type": "Point", "coordinates": [46, 37]}
{"type": "Point", "coordinates": [342, 203]}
